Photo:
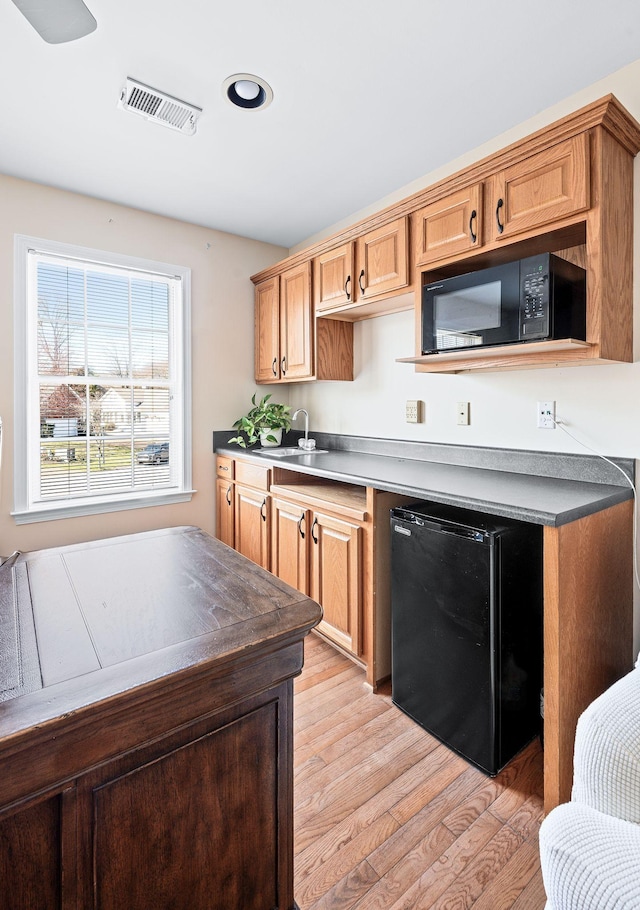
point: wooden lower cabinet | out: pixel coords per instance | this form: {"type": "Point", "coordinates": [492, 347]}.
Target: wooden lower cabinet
{"type": "Point", "coordinates": [290, 525]}
{"type": "Point", "coordinates": [251, 524]}
{"type": "Point", "coordinates": [225, 512]}
{"type": "Point", "coordinates": [336, 578]}
{"type": "Point", "coordinates": [321, 555]}
{"type": "Point", "coordinates": [136, 833]}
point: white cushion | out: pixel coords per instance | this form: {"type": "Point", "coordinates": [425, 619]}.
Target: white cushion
{"type": "Point", "coordinates": [590, 861]}
{"type": "Point", "coordinates": [606, 773]}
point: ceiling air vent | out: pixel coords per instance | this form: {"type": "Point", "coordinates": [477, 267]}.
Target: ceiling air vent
{"type": "Point", "coordinates": [159, 107]}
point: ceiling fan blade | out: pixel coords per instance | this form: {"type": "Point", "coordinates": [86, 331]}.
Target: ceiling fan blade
{"type": "Point", "coordinates": [58, 21]}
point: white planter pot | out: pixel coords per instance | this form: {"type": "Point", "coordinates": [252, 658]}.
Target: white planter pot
{"type": "Point", "coordinates": [265, 443]}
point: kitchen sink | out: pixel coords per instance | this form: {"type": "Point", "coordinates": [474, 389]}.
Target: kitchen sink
{"type": "Point", "coordinates": [284, 451]}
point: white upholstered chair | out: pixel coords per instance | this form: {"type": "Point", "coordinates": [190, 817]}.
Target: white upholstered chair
{"type": "Point", "coordinates": [590, 847]}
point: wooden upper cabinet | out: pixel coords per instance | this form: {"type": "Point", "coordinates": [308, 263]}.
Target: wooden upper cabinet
{"type": "Point", "coordinates": [547, 187]}
{"type": "Point", "coordinates": [333, 278]}
{"type": "Point", "coordinates": [267, 330]}
{"type": "Point", "coordinates": [382, 257]}
{"type": "Point", "coordinates": [296, 324]}
{"type": "Point", "coordinates": [448, 227]}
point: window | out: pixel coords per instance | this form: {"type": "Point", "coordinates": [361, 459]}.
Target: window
{"type": "Point", "coordinates": [102, 382]}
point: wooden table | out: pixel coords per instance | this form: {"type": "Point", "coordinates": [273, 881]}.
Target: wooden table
{"type": "Point", "coordinates": [146, 687]}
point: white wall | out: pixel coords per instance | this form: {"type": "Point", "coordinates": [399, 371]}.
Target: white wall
{"type": "Point", "coordinates": [599, 403]}
{"type": "Point", "coordinates": [222, 338]}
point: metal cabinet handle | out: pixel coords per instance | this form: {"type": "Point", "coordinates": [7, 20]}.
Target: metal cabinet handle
{"type": "Point", "coordinates": [360, 281]}
{"type": "Point", "coordinates": [273, 366]}
{"type": "Point", "coordinates": [300, 521]}
{"type": "Point", "coordinates": [223, 467]}
{"type": "Point", "coordinates": [473, 236]}
{"type": "Point", "coordinates": [313, 536]}
{"type": "Point", "coordinates": [228, 496]}
{"type": "Point", "coordinates": [263, 509]}
{"type": "Point", "coordinates": [346, 287]}
{"type": "Point", "coordinates": [283, 366]}
{"type": "Point", "coordinates": [499, 223]}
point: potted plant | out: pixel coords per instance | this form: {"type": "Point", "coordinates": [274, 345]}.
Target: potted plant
{"type": "Point", "coordinates": [265, 421]}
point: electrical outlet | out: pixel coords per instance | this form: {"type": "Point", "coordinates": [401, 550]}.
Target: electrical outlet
{"type": "Point", "coordinates": [463, 412]}
{"type": "Point", "coordinates": [546, 415]}
{"type": "Point", "coordinates": [413, 411]}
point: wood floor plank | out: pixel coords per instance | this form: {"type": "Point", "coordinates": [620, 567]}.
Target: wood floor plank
{"type": "Point", "coordinates": [418, 825]}
{"type": "Point", "coordinates": [476, 877]}
{"type": "Point", "coordinates": [533, 897]}
{"type": "Point", "coordinates": [443, 873]}
{"type": "Point", "coordinates": [340, 797]}
{"type": "Point", "coordinates": [511, 881]}
{"type": "Point", "coordinates": [403, 874]}
{"type": "Point", "coordinates": [317, 736]}
{"type": "Point", "coordinates": [387, 818]}
{"type": "Point", "coordinates": [346, 893]}
{"type": "Point", "coordinates": [316, 884]}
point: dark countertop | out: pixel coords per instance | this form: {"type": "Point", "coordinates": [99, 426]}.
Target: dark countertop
{"type": "Point", "coordinates": [544, 500]}
{"type": "Point", "coordinates": [85, 623]}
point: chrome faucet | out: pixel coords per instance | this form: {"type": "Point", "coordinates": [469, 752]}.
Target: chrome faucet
{"type": "Point", "coordinates": [305, 443]}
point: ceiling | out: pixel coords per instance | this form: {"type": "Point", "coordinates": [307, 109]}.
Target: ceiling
{"type": "Point", "coordinates": [368, 96]}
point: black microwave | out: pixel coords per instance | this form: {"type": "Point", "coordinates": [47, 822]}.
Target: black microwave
{"type": "Point", "coordinates": [541, 297]}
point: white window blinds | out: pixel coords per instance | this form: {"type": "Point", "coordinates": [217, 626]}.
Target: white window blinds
{"type": "Point", "coordinates": [105, 390]}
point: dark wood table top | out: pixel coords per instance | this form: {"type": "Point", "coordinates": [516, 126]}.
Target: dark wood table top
{"type": "Point", "coordinates": [82, 624]}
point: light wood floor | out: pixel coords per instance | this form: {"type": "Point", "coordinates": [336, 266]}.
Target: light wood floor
{"type": "Point", "coordinates": [387, 818]}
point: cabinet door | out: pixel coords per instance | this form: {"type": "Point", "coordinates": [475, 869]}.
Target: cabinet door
{"type": "Point", "coordinates": [199, 827]}
{"type": "Point", "coordinates": [383, 260]}
{"type": "Point", "coordinates": [336, 569]}
{"type": "Point", "coordinates": [296, 324]}
{"type": "Point", "coordinates": [225, 512]}
{"type": "Point", "coordinates": [267, 330]}
{"type": "Point", "coordinates": [289, 544]}
{"type": "Point", "coordinates": [449, 226]}
{"type": "Point", "coordinates": [546, 187]}
{"type": "Point", "coordinates": [333, 282]}
{"type": "Point", "coordinates": [252, 525]}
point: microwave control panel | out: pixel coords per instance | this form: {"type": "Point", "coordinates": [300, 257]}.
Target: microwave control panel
{"type": "Point", "coordinates": [534, 298]}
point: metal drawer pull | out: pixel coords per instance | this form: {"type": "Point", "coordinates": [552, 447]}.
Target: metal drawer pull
{"type": "Point", "coordinates": [360, 281]}
{"type": "Point", "coordinates": [273, 366]}
{"type": "Point", "coordinates": [263, 509]}
{"type": "Point", "coordinates": [300, 531]}
{"type": "Point", "coordinates": [315, 522]}
{"type": "Point", "coordinates": [498, 207]}
{"type": "Point", "coordinates": [346, 287]}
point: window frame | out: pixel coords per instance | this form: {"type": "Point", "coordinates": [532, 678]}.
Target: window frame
{"type": "Point", "coordinates": [26, 509]}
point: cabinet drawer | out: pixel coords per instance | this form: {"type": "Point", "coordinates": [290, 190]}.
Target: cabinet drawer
{"type": "Point", "coordinates": [224, 467]}
{"type": "Point", "coordinates": [252, 475]}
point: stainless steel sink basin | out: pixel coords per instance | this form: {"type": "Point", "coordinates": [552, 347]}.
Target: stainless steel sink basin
{"type": "Point", "coordinates": [284, 451]}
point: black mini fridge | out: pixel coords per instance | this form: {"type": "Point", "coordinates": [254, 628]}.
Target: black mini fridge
{"type": "Point", "coordinates": [466, 617]}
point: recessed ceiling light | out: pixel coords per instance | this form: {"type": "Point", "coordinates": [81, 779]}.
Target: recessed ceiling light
{"type": "Point", "coordinates": [249, 92]}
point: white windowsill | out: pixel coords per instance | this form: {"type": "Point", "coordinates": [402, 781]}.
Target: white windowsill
{"type": "Point", "coordinates": [57, 510]}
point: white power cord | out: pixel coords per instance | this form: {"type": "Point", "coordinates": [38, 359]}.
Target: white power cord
{"type": "Point", "coordinates": [561, 424]}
